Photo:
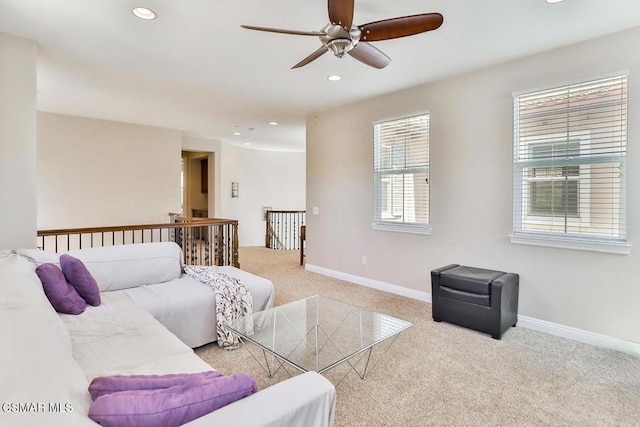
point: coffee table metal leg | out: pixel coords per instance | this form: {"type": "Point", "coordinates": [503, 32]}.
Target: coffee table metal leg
{"type": "Point", "coordinates": [368, 366]}
{"type": "Point", "coordinates": [364, 353]}
{"type": "Point", "coordinates": [266, 366]}
{"type": "Point", "coordinates": [375, 363]}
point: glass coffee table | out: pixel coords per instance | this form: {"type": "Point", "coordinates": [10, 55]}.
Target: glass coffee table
{"type": "Point", "coordinates": [317, 334]}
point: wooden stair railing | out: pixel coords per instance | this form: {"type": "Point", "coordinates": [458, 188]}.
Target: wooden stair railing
{"type": "Point", "coordinates": [303, 238]}
{"type": "Point", "coordinates": [272, 240]}
{"type": "Point", "coordinates": [283, 229]}
{"type": "Point", "coordinates": [204, 241]}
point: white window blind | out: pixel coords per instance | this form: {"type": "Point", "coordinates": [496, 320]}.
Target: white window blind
{"type": "Point", "coordinates": [401, 174]}
{"type": "Point", "coordinates": [570, 146]}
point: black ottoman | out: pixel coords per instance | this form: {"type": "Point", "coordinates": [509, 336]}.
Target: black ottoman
{"type": "Point", "coordinates": [476, 298]}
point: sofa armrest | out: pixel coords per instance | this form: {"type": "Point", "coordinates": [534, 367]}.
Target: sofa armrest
{"type": "Point", "coordinates": [306, 400]}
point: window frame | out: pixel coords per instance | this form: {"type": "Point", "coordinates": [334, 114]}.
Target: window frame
{"type": "Point", "coordinates": [378, 222]}
{"type": "Point", "coordinates": [585, 161]}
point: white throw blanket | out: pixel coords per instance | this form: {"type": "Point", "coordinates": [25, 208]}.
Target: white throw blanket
{"type": "Point", "coordinates": [233, 300]}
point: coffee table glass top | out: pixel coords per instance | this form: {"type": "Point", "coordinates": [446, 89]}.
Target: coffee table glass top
{"type": "Point", "coordinates": [317, 333]}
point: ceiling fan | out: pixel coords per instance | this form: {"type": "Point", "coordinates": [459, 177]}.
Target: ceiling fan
{"type": "Point", "coordinates": [341, 37]}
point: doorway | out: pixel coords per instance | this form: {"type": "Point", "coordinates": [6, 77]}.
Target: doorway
{"type": "Point", "coordinates": [196, 184]}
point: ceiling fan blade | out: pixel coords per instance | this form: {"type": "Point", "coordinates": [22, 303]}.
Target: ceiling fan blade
{"type": "Point", "coordinates": [278, 30]}
{"type": "Point", "coordinates": [400, 27]}
{"type": "Point", "coordinates": [370, 55]}
{"type": "Point", "coordinates": [315, 55]}
{"type": "Point", "coordinates": [341, 12]}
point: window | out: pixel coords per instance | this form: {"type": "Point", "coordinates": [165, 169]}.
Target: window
{"type": "Point", "coordinates": [554, 190]}
{"type": "Point", "coordinates": [401, 175]}
{"type": "Point", "coordinates": [570, 146]}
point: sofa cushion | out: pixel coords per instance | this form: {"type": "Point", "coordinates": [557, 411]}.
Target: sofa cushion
{"type": "Point", "coordinates": [122, 266]}
{"type": "Point", "coordinates": [21, 289]}
{"type": "Point", "coordinates": [39, 257]}
{"type": "Point", "coordinates": [171, 406]}
{"type": "Point", "coordinates": [80, 278]}
{"type": "Point", "coordinates": [105, 385]}
{"type": "Point", "coordinates": [183, 302]}
{"type": "Point", "coordinates": [131, 265]}
{"type": "Point", "coordinates": [63, 297]}
{"type": "Point", "coordinates": [178, 305]}
{"type": "Point", "coordinates": [128, 343]}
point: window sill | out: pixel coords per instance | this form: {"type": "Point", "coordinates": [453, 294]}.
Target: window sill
{"type": "Point", "coordinates": [591, 245]}
{"type": "Point", "coordinates": [401, 228]}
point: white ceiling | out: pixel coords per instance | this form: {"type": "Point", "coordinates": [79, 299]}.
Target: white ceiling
{"type": "Point", "coordinates": [194, 69]}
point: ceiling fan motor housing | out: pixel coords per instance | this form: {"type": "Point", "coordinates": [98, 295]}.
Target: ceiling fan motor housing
{"type": "Point", "coordinates": [338, 39]}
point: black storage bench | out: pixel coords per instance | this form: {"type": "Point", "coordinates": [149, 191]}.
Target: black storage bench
{"type": "Point", "coordinates": [476, 298]}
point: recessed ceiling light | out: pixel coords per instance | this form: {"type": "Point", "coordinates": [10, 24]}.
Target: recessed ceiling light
{"type": "Point", "coordinates": [236, 133]}
{"type": "Point", "coordinates": [334, 78]}
{"type": "Point", "coordinates": [554, 1]}
{"type": "Point", "coordinates": [144, 13]}
{"type": "Point", "coordinates": [273, 123]}
{"type": "Point", "coordinates": [247, 143]}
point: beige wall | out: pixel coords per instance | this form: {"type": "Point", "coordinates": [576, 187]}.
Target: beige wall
{"type": "Point", "coordinates": [471, 192]}
{"type": "Point", "coordinates": [17, 142]}
{"type": "Point", "coordinates": [97, 172]}
{"type": "Point", "coordinates": [266, 178]}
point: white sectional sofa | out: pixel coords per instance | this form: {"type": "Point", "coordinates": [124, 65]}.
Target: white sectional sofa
{"type": "Point", "coordinates": [148, 320]}
{"type": "Point", "coordinates": [149, 276]}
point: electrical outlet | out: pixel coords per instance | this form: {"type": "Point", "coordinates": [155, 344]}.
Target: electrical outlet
{"type": "Point", "coordinates": [364, 260]}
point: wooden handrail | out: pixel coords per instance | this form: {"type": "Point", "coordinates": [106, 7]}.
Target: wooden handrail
{"type": "Point", "coordinates": [184, 218]}
{"type": "Point", "coordinates": [108, 229]}
{"type": "Point", "coordinates": [199, 238]}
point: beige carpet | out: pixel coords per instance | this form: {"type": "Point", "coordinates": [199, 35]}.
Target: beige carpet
{"type": "Point", "coordinates": [440, 374]}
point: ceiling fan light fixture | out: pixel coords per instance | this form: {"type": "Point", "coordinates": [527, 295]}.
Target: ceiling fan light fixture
{"type": "Point", "coordinates": [340, 46]}
{"type": "Point", "coordinates": [144, 13]}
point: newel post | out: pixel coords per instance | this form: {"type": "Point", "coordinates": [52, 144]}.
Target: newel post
{"type": "Point", "coordinates": [220, 244]}
{"type": "Point", "coordinates": [267, 229]}
{"type": "Point", "coordinates": [235, 257]}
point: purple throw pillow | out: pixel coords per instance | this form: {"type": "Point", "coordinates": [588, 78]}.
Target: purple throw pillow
{"type": "Point", "coordinates": [80, 278]}
{"type": "Point", "coordinates": [62, 296]}
{"type": "Point", "coordinates": [171, 406]}
{"type": "Point", "coordinates": [111, 384]}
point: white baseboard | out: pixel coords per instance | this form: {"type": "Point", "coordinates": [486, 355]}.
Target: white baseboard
{"type": "Point", "coordinates": [370, 283]}
{"type": "Point", "coordinates": [550, 328]}
{"type": "Point", "coordinates": [579, 335]}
